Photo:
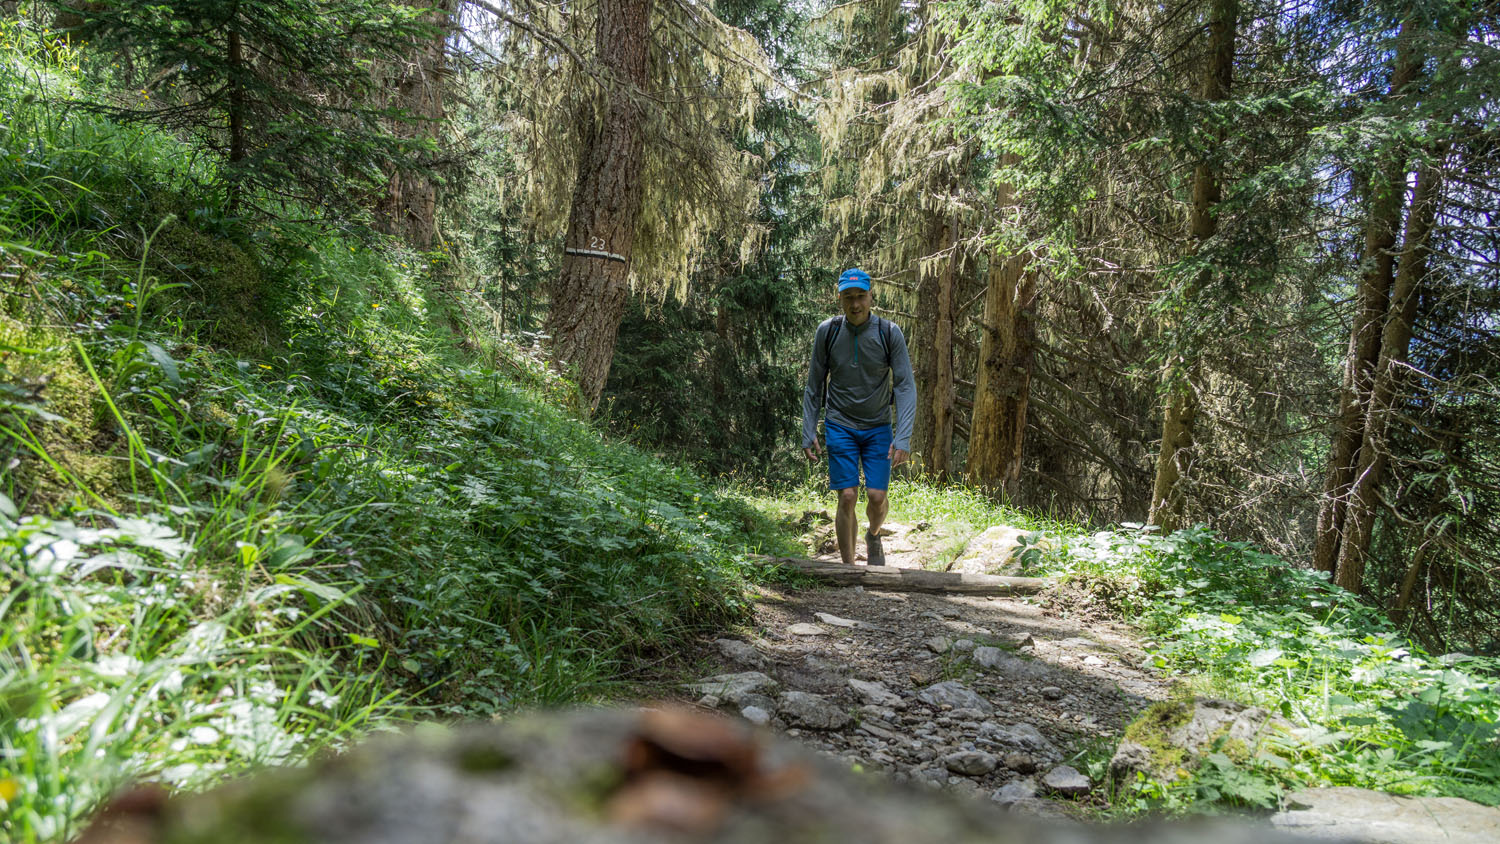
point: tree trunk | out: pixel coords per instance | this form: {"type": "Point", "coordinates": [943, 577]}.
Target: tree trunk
{"type": "Point", "coordinates": [409, 207]}
{"type": "Point", "coordinates": [588, 297]}
{"type": "Point", "coordinates": [1003, 390]}
{"type": "Point", "coordinates": [1374, 451]}
{"type": "Point", "coordinates": [238, 145]}
{"type": "Point", "coordinates": [923, 347]}
{"type": "Point", "coordinates": [1387, 202]}
{"type": "Point", "coordinates": [943, 389]}
{"type": "Point", "coordinates": [1180, 413]}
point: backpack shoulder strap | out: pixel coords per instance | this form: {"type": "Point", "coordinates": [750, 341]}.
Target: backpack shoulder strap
{"type": "Point", "coordinates": [833, 331]}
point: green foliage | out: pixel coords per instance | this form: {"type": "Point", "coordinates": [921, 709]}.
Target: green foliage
{"type": "Point", "coordinates": [1365, 707]}
{"type": "Point", "coordinates": [285, 93]}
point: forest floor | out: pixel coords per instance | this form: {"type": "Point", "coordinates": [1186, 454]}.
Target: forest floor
{"type": "Point", "coordinates": [991, 696]}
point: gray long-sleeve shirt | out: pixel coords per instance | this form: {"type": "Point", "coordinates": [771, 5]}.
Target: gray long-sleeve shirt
{"type": "Point", "coordinates": [860, 383]}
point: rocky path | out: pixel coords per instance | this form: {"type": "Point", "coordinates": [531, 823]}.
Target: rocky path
{"type": "Point", "coordinates": [999, 698]}
{"type": "Point", "coordinates": [988, 696]}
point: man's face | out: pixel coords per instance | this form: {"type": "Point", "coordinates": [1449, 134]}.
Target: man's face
{"type": "Point", "coordinates": [855, 304]}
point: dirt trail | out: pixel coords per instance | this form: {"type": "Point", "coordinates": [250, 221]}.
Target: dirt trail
{"type": "Point", "coordinates": [990, 696]}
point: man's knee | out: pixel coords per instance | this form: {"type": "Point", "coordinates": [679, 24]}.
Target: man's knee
{"type": "Point", "coordinates": [876, 497]}
{"type": "Point", "coordinates": [849, 497]}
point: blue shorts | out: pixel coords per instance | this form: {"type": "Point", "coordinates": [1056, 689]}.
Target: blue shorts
{"type": "Point", "coordinates": [848, 448]}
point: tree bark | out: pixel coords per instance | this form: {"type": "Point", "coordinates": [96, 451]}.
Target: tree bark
{"type": "Point", "coordinates": [1180, 411]}
{"type": "Point", "coordinates": [1374, 450]}
{"type": "Point", "coordinates": [1003, 392]}
{"type": "Point", "coordinates": [1387, 202]}
{"type": "Point", "coordinates": [923, 346]}
{"type": "Point", "coordinates": [943, 390]}
{"type": "Point", "coordinates": [588, 297]}
{"type": "Point", "coordinates": [238, 144]}
{"type": "Point", "coordinates": [409, 207]}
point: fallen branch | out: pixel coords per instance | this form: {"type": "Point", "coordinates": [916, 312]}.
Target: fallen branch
{"type": "Point", "coordinates": [913, 580]}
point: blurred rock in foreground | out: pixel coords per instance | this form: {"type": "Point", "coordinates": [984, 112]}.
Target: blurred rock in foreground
{"type": "Point", "coordinates": [592, 776]}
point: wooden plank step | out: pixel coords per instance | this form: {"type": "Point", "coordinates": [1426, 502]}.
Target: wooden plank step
{"type": "Point", "coordinates": [913, 580]}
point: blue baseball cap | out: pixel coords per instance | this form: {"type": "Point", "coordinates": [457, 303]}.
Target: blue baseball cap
{"type": "Point", "coordinates": [852, 278]}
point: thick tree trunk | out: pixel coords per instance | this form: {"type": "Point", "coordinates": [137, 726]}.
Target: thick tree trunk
{"type": "Point", "coordinates": [1180, 411]}
{"type": "Point", "coordinates": [409, 207]}
{"type": "Point", "coordinates": [943, 389]}
{"type": "Point", "coordinates": [588, 297]}
{"type": "Point", "coordinates": [1374, 450]}
{"type": "Point", "coordinates": [1387, 202]}
{"type": "Point", "coordinates": [1002, 390]}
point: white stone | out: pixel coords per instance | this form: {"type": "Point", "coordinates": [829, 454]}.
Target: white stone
{"type": "Point", "coordinates": [1065, 779]}
{"type": "Point", "coordinates": [733, 686]}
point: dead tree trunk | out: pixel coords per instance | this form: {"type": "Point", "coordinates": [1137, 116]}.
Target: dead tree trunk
{"type": "Point", "coordinates": [1374, 448]}
{"type": "Point", "coordinates": [1180, 413]}
{"type": "Point", "coordinates": [1387, 198]}
{"type": "Point", "coordinates": [1002, 392]}
{"type": "Point", "coordinates": [588, 296]}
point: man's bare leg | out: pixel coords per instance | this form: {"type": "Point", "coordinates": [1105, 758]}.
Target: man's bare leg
{"type": "Point", "coordinates": [846, 523]}
{"type": "Point", "coordinates": [876, 509]}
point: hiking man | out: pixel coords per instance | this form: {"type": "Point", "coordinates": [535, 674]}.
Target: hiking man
{"type": "Point", "coordinates": [859, 370]}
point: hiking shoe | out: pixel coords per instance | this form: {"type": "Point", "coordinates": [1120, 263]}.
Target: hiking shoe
{"type": "Point", "coordinates": [874, 554]}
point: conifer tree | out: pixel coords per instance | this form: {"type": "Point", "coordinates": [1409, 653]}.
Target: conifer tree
{"type": "Point", "coordinates": [631, 153]}
{"type": "Point", "coordinates": [281, 89]}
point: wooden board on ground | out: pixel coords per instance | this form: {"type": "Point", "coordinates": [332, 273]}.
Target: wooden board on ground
{"type": "Point", "coordinates": [914, 580]}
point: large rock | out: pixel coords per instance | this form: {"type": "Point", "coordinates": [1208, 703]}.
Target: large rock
{"type": "Point", "coordinates": [803, 709]}
{"type": "Point", "coordinates": [1370, 816]}
{"type": "Point", "coordinates": [733, 687]}
{"type": "Point", "coordinates": [956, 695]}
{"type": "Point", "coordinates": [1174, 733]}
{"type": "Point", "coordinates": [991, 552]}
{"type": "Point", "coordinates": [590, 777]}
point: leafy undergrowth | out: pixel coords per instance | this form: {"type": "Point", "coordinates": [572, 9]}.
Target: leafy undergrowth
{"type": "Point", "coordinates": [255, 502]}
{"type": "Point", "coordinates": [1363, 706]}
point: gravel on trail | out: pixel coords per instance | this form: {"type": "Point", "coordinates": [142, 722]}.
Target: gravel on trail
{"type": "Point", "coordinates": [987, 696]}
